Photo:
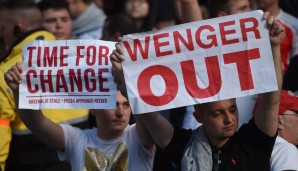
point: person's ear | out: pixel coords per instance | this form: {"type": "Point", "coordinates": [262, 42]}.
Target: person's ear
{"type": "Point", "coordinates": [280, 123]}
{"type": "Point", "coordinates": [17, 30]}
{"type": "Point", "coordinates": [197, 116]}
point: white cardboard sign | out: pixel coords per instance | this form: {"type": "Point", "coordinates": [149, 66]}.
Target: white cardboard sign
{"type": "Point", "coordinates": [67, 74]}
{"type": "Point", "coordinates": [198, 62]}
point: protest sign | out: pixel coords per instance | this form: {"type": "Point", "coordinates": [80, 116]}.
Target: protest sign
{"type": "Point", "coordinates": [67, 74]}
{"type": "Point", "coordinates": [198, 62]}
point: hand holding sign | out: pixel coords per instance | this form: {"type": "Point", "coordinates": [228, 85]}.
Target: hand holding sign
{"type": "Point", "coordinates": [199, 65]}
{"type": "Point", "coordinates": [67, 74]}
{"type": "Point", "coordinates": [13, 76]}
{"type": "Point", "coordinates": [116, 59]}
{"type": "Point", "coordinates": [276, 30]}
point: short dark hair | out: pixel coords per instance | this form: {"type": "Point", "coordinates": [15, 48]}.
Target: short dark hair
{"type": "Point", "coordinates": [121, 23]}
{"type": "Point", "coordinates": [200, 107]}
{"type": "Point", "coordinates": [149, 20]}
{"type": "Point", "coordinates": [87, 1]}
{"type": "Point", "coordinates": [215, 6]}
{"type": "Point", "coordinates": [44, 5]}
{"type": "Point", "coordinates": [14, 5]}
{"type": "Point", "coordinates": [25, 11]}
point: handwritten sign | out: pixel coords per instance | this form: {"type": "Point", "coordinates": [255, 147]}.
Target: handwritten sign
{"type": "Point", "coordinates": [67, 74]}
{"type": "Point", "coordinates": [198, 62]}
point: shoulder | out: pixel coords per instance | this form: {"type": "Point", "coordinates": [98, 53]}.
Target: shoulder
{"type": "Point", "coordinates": [251, 136]}
{"type": "Point", "coordinates": [281, 146]}
{"type": "Point", "coordinates": [182, 132]}
{"type": "Point", "coordinates": [288, 19]}
{"type": "Point", "coordinates": [42, 35]}
{"type": "Point", "coordinates": [74, 132]}
{"type": "Point", "coordinates": [180, 138]}
{"type": "Point", "coordinates": [36, 34]}
{"type": "Point", "coordinates": [284, 156]}
{"type": "Point", "coordinates": [130, 133]}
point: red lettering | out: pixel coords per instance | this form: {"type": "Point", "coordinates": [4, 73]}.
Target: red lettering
{"type": "Point", "coordinates": [241, 59]}
{"type": "Point", "coordinates": [75, 78]}
{"type": "Point", "coordinates": [102, 79]}
{"type": "Point", "coordinates": [30, 55]}
{"type": "Point", "coordinates": [254, 28]}
{"type": "Point", "coordinates": [63, 56]}
{"type": "Point", "coordinates": [210, 37]}
{"type": "Point", "coordinates": [144, 85]}
{"type": "Point", "coordinates": [29, 86]}
{"type": "Point", "coordinates": [60, 81]}
{"type": "Point", "coordinates": [45, 81]}
{"type": "Point", "coordinates": [177, 37]}
{"type": "Point", "coordinates": [91, 53]}
{"type": "Point", "coordinates": [50, 59]}
{"type": "Point", "coordinates": [160, 44]}
{"type": "Point", "coordinates": [89, 88]}
{"type": "Point", "coordinates": [38, 56]}
{"type": "Point", "coordinates": [224, 32]}
{"type": "Point", "coordinates": [137, 45]}
{"type": "Point", "coordinates": [103, 55]}
{"type": "Point", "coordinates": [79, 55]}
{"type": "Point", "coordinates": [190, 79]}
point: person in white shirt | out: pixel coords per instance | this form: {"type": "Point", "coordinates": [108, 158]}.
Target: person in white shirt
{"type": "Point", "coordinates": [113, 145]}
{"type": "Point", "coordinates": [289, 46]}
{"type": "Point", "coordinates": [285, 154]}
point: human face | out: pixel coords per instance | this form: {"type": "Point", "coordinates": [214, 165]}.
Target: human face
{"type": "Point", "coordinates": [74, 7]}
{"type": "Point", "coordinates": [137, 9]}
{"type": "Point", "coordinates": [112, 122]}
{"type": "Point", "coordinates": [266, 4]}
{"type": "Point", "coordinates": [290, 126]}
{"type": "Point", "coordinates": [220, 120]}
{"type": "Point", "coordinates": [7, 23]}
{"type": "Point", "coordinates": [58, 22]}
{"type": "Point", "coordinates": [239, 6]}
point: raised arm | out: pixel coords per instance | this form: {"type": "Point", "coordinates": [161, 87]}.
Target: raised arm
{"type": "Point", "coordinates": [188, 10]}
{"type": "Point", "coordinates": [151, 127]}
{"type": "Point", "coordinates": [47, 131]}
{"type": "Point", "coordinates": [266, 117]}
{"type": "Point", "coordinates": [159, 129]}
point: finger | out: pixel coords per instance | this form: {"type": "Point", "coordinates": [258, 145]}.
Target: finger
{"type": "Point", "coordinates": [119, 56]}
{"type": "Point", "coordinates": [266, 15]}
{"type": "Point", "coordinates": [273, 29]}
{"type": "Point", "coordinates": [15, 70]}
{"type": "Point", "coordinates": [117, 62]}
{"type": "Point", "coordinates": [8, 77]}
{"type": "Point", "coordinates": [279, 30]}
{"type": "Point", "coordinates": [114, 59]}
{"type": "Point", "coordinates": [115, 52]}
{"type": "Point", "coordinates": [13, 75]}
{"type": "Point", "coordinates": [270, 22]}
{"type": "Point", "coordinates": [19, 65]}
{"type": "Point", "coordinates": [119, 48]}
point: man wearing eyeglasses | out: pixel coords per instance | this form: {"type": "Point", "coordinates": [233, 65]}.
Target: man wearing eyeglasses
{"type": "Point", "coordinates": [285, 154]}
